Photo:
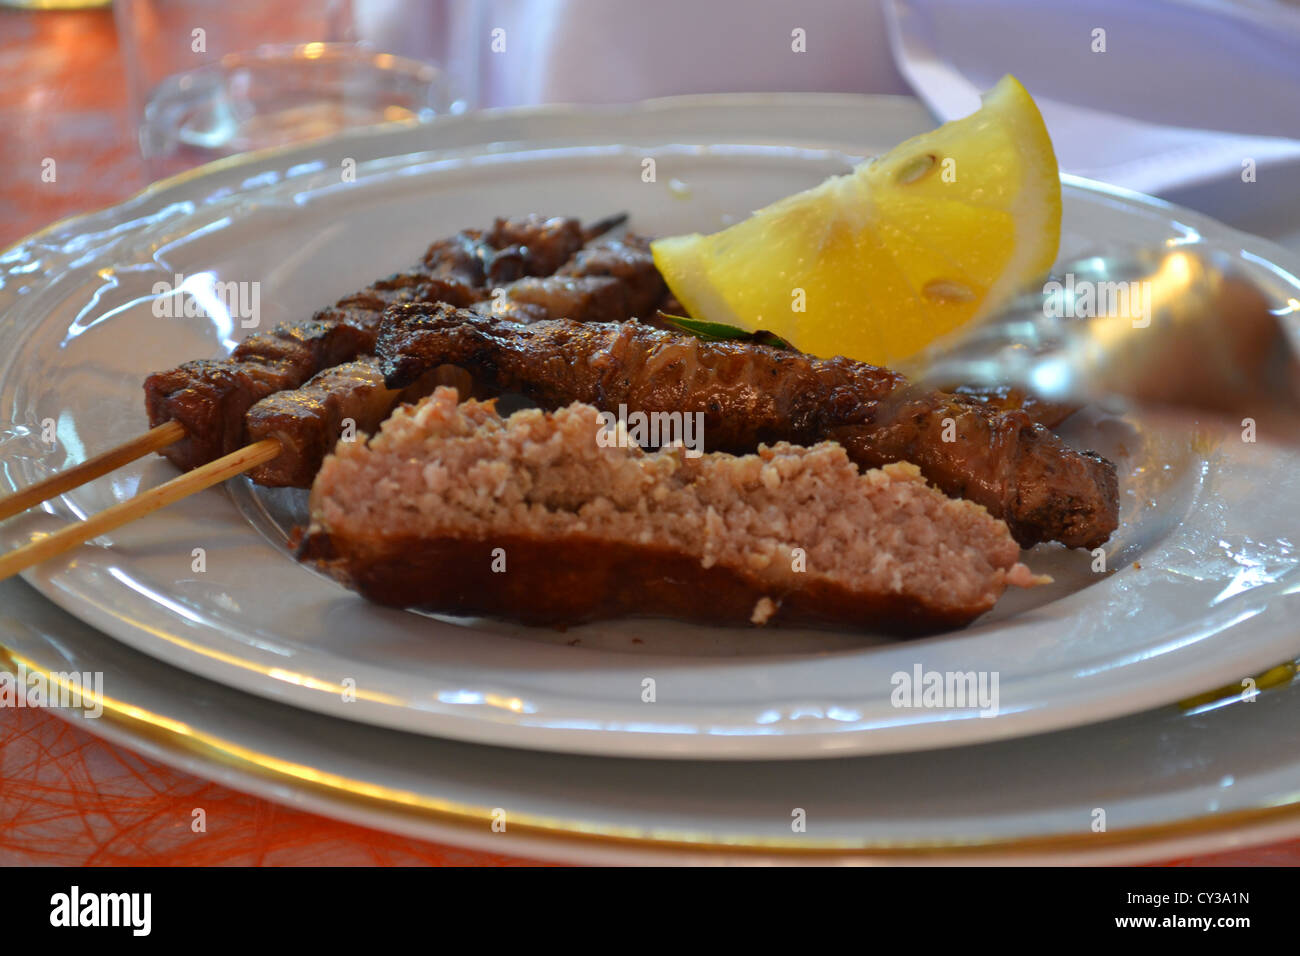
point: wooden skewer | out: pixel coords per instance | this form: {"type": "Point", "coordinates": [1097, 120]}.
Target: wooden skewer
{"type": "Point", "coordinates": [156, 438]}
{"type": "Point", "coordinates": [214, 472]}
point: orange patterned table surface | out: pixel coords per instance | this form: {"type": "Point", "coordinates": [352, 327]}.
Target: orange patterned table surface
{"type": "Point", "coordinates": [67, 797]}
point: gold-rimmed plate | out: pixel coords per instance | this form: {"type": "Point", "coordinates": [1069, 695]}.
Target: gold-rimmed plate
{"type": "Point", "coordinates": [1198, 588]}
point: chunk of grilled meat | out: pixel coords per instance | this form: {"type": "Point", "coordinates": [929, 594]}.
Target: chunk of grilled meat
{"type": "Point", "coordinates": [421, 515]}
{"type": "Point", "coordinates": [752, 394]}
{"type": "Point", "coordinates": [307, 421]}
{"type": "Point", "coordinates": [510, 250]}
{"type": "Point", "coordinates": [608, 280]}
{"type": "Point", "coordinates": [211, 397]}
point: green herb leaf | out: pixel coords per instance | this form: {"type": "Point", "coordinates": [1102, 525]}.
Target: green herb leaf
{"type": "Point", "coordinates": [705, 330]}
{"type": "Point", "coordinates": [719, 332]}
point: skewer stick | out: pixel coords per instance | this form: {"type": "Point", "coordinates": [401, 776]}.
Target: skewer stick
{"type": "Point", "coordinates": [165, 434]}
{"type": "Point", "coordinates": [214, 472]}
{"type": "Point", "coordinates": [602, 226]}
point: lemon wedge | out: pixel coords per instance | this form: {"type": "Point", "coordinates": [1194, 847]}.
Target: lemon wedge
{"type": "Point", "coordinates": [908, 247]}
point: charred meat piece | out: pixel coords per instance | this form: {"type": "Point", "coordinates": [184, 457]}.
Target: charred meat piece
{"type": "Point", "coordinates": [591, 299]}
{"type": "Point", "coordinates": [422, 515]}
{"type": "Point", "coordinates": [627, 259]}
{"type": "Point", "coordinates": [606, 281]}
{"type": "Point", "coordinates": [211, 398]}
{"type": "Point", "coordinates": [752, 394]}
{"type": "Point", "coordinates": [309, 421]}
{"type": "Point", "coordinates": [511, 249]}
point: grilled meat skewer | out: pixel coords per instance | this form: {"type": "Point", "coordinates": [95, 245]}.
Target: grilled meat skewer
{"type": "Point", "coordinates": [609, 281]}
{"type": "Point", "coordinates": [752, 395]}
{"type": "Point", "coordinates": [210, 397]}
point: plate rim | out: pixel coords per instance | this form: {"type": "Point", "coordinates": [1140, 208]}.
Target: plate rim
{"type": "Point", "coordinates": [200, 752]}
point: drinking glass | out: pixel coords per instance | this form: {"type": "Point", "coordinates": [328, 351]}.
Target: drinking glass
{"type": "Point", "coordinates": [208, 78]}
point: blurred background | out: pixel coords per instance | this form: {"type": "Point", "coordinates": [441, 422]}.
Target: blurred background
{"type": "Point", "coordinates": [1197, 101]}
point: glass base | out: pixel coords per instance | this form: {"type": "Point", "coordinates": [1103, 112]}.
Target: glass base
{"type": "Point", "coordinates": [283, 94]}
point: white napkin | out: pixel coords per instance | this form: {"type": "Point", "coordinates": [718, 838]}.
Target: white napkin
{"type": "Point", "coordinates": [1184, 92]}
{"type": "Point", "coordinates": [608, 51]}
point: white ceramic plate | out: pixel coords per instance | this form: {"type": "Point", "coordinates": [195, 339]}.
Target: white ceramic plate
{"type": "Point", "coordinates": [1170, 782]}
{"type": "Point", "coordinates": [1209, 524]}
